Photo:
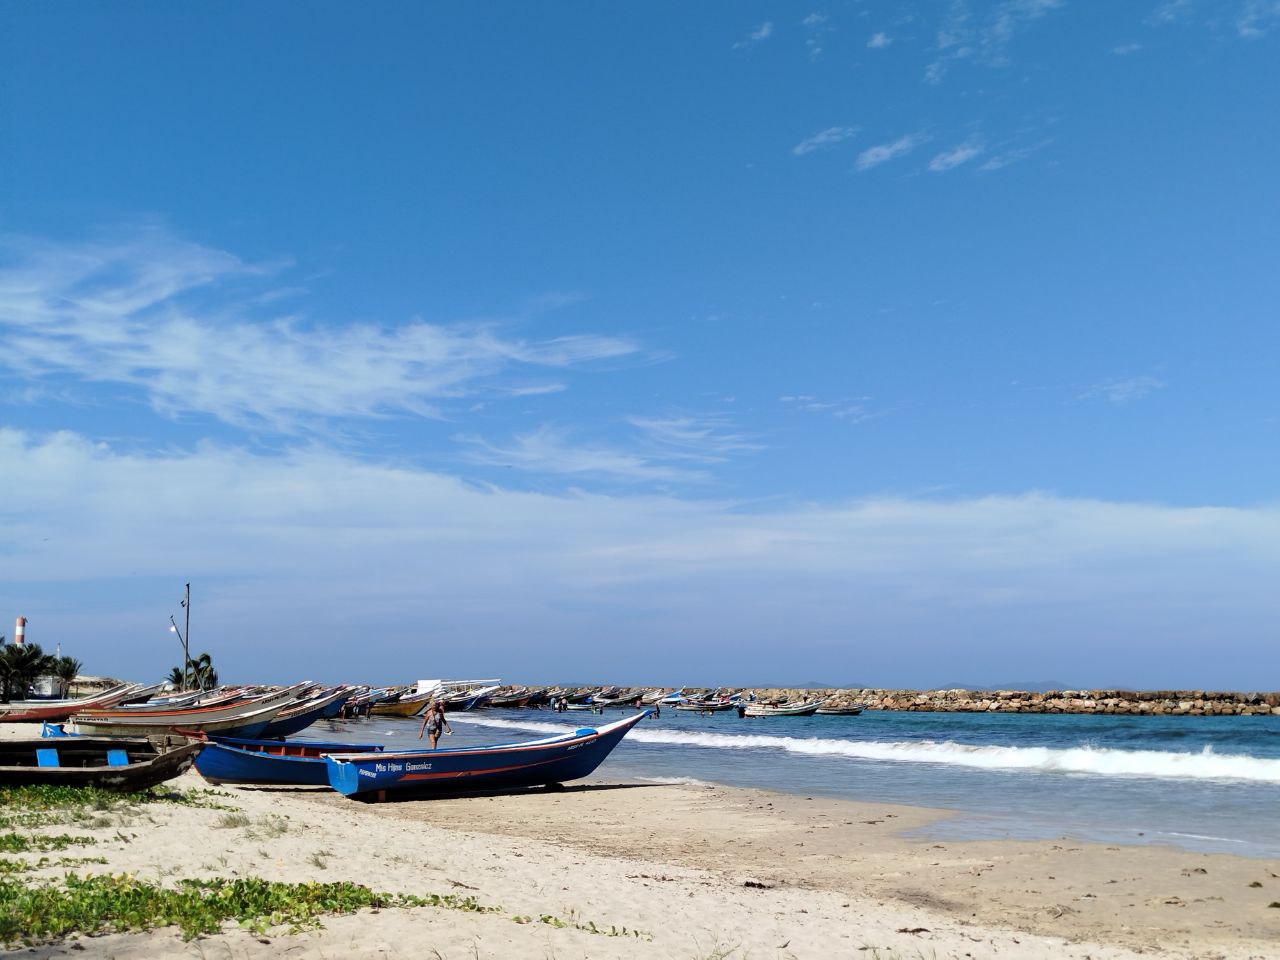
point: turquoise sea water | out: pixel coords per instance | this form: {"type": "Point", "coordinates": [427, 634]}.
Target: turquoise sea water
{"type": "Point", "coordinates": [1203, 783]}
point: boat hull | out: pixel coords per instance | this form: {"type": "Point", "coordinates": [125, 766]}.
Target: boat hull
{"type": "Point", "coordinates": [63, 709]}
{"type": "Point", "coordinates": [783, 712]}
{"type": "Point", "coordinates": [227, 760]}
{"type": "Point", "coordinates": [83, 762]}
{"type": "Point", "coordinates": [399, 708]}
{"type": "Point", "coordinates": [285, 725]}
{"type": "Point", "coordinates": [500, 767]}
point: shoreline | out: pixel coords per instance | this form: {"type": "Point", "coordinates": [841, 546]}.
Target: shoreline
{"type": "Point", "coordinates": [697, 869]}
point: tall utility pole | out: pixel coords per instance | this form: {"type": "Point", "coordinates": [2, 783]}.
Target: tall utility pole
{"type": "Point", "coordinates": [184, 636]}
{"type": "Point", "coordinates": [186, 641]}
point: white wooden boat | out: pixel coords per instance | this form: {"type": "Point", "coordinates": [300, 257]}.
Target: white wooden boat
{"type": "Point", "coordinates": [805, 708]}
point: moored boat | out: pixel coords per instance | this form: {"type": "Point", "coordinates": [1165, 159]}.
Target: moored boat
{"type": "Point", "coordinates": [298, 762]}
{"type": "Point", "coordinates": [708, 706]}
{"type": "Point", "coordinates": [803, 708]}
{"type": "Point", "coordinates": [530, 763]}
{"type": "Point", "coordinates": [830, 711]}
{"type": "Point", "coordinates": [110, 763]}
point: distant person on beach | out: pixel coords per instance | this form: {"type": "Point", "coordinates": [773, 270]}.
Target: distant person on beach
{"type": "Point", "coordinates": [433, 722]}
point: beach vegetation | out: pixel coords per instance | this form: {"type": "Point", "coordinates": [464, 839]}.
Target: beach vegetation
{"type": "Point", "coordinates": [271, 826]}
{"type": "Point", "coordinates": [116, 904]}
{"type": "Point", "coordinates": [37, 806]}
{"type": "Point", "coordinates": [233, 821]}
{"type": "Point", "coordinates": [18, 843]}
{"type": "Point", "coordinates": [587, 926]}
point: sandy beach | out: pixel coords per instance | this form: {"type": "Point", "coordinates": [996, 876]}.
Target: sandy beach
{"type": "Point", "coordinates": [687, 870]}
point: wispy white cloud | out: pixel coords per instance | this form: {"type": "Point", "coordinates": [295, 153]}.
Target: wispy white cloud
{"type": "Point", "coordinates": [708, 439]}
{"type": "Point", "coordinates": [1123, 390]}
{"type": "Point", "coordinates": [1008, 157]}
{"type": "Point", "coordinates": [1172, 11]}
{"type": "Point", "coordinates": [823, 138]}
{"type": "Point", "coordinates": [310, 547]}
{"type": "Point", "coordinates": [884, 152]}
{"type": "Point", "coordinates": [551, 449]}
{"type": "Point", "coordinates": [985, 39]}
{"type": "Point", "coordinates": [848, 409]}
{"type": "Point", "coordinates": [1257, 18]}
{"type": "Point", "coordinates": [171, 320]}
{"type": "Point", "coordinates": [1124, 49]}
{"type": "Point", "coordinates": [879, 41]}
{"type": "Point", "coordinates": [816, 27]}
{"type": "Point", "coordinates": [533, 389]}
{"type": "Point", "coordinates": [762, 32]}
{"type": "Point", "coordinates": [950, 159]}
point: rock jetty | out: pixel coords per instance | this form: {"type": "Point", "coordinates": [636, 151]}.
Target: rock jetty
{"type": "Point", "coordinates": [1131, 702]}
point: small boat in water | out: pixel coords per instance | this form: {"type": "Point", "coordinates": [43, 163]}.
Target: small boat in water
{"type": "Point", "coordinates": [839, 711]}
{"type": "Point", "coordinates": [531, 763]}
{"type": "Point", "coordinates": [298, 762]}
{"type": "Point", "coordinates": [110, 763]}
{"type": "Point", "coordinates": [805, 708]}
{"type": "Point", "coordinates": [708, 706]}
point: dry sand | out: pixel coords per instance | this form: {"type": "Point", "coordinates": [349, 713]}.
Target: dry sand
{"type": "Point", "coordinates": [827, 879]}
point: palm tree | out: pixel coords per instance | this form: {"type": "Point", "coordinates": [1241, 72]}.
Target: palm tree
{"type": "Point", "coordinates": [19, 667]}
{"type": "Point", "coordinates": [199, 676]}
{"type": "Point", "coordinates": [66, 669]}
{"type": "Point", "coordinates": [203, 675]}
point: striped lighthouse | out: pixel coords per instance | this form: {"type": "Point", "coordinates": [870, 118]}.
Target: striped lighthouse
{"type": "Point", "coordinates": [20, 631]}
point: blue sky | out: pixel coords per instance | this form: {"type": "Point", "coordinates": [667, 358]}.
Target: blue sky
{"type": "Point", "coordinates": [877, 342]}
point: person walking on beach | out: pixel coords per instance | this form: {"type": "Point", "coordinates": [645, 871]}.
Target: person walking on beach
{"type": "Point", "coordinates": [432, 723]}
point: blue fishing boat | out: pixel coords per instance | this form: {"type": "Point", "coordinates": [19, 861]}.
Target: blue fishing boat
{"type": "Point", "coordinates": [301, 762]}
{"type": "Point", "coordinates": [531, 763]}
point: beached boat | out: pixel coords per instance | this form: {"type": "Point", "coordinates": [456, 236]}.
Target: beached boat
{"type": "Point", "coordinates": [55, 711]}
{"type": "Point", "coordinates": [468, 699]}
{"type": "Point", "coordinates": [511, 699]}
{"type": "Point", "coordinates": [243, 718]}
{"type": "Point", "coordinates": [294, 719]}
{"type": "Point", "coordinates": [110, 763]}
{"type": "Point", "coordinates": [531, 763]}
{"type": "Point", "coordinates": [189, 716]}
{"type": "Point", "coordinates": [299, 762]}
{"type": "Point", "coordinates": [235, 723]}
{"type": "Point", "coordinates": [406, 706]}
{"type": "Point", "coordinates": [805, 708]}
{"type": "Point", "coordinates": [839, 711]}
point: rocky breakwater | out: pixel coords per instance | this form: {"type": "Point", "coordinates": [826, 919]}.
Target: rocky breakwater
{"type": "Point", "coordinates": [1128, 702]}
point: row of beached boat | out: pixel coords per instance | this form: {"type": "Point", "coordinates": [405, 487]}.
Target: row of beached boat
{"type": "Point", "coordinates": [133, 737]}
{"type": "Point", "coordinates": [411, 700]}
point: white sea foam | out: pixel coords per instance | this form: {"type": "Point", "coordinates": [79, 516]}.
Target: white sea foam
{"type": "Point", "coordinates": [1099, 761]}
{"type": "Point", "coordinates": [678, 781]}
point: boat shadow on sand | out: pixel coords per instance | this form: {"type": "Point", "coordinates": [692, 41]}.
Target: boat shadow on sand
{"type": "Point", "coordinates": [399, 796]}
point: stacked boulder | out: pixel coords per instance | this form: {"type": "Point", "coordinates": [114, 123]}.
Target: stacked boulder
{"type": "Point", "coordinates": [1128, 702]}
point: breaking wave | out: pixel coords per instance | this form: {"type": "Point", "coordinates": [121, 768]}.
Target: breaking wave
{"type": "Point", "coordinates": [1098, 761]}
